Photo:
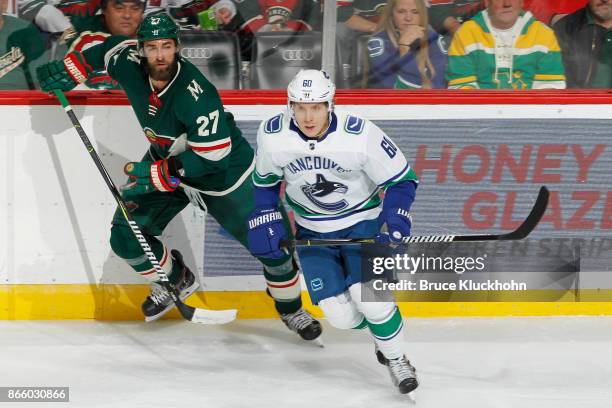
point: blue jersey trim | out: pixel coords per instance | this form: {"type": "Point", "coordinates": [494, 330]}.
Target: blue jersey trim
{"type": "Point", "coordinates": [396, 176]}
{"type": "Point", "coordinates": [337, 217]}
{"type": "Point", "coordinates": [346, 213]}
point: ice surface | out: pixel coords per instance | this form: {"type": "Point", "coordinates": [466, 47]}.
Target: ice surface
{"type": "Point", "coordinates": [461, 362]}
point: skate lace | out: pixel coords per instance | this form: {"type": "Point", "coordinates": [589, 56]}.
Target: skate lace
{"type": "Point", "coordinates": [298, 320]}
{"type": "Point", "coordinates": [401, 369]}
{"type": "Point", "coordinates": [159, 295]}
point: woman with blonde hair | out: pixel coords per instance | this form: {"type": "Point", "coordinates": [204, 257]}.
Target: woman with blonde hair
{"type": "Point", "coordinates": [405, 53]}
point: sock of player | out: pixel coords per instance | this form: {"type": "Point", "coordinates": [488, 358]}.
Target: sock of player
{"type": "Point", "coordinates": [362, 325]}
{"type": "Point", "coordinates": [283, 281]}
{"type": "Point", "coordinates": [145, 268]}
{"type": "Point", "coordinates": [388, 334]}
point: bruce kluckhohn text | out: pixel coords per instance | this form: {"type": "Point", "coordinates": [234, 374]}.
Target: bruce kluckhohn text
{"type": "Point", "coordinates": [462, 284]}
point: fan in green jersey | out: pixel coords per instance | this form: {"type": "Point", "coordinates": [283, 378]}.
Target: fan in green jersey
{"type": "Point", "coordinates": [197, 154]}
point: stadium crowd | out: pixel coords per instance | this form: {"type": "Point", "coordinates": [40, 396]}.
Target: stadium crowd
{"type": "Point", "coordinates": [402, 44]}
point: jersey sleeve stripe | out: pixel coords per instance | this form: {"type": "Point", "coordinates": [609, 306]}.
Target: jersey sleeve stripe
{"type": "Point", "coordinates": [410, 175]}
{"type": "Point", "coordinates": [117, 48]}
{"type": "Point", "coordinates": [407, 170]}
{"type": "Point", "coordinates": [86, 40]}
{"type": "Point", "coordinates": [209, 146]}
{"type": "Point", "coordinates": [267, 180]}
{"type": "Point", "coordinates": [215, 154]}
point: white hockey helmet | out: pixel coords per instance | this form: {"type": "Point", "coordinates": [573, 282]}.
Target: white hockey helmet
{"type": "Point", "coordinates": [311, 86]}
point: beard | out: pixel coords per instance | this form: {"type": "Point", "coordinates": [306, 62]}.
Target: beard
{"type": "Point", "coordinates": [162, 74]}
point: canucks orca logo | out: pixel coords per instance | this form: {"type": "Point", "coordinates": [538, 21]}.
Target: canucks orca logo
{"type": "Point", "coordinates": [323, 188]}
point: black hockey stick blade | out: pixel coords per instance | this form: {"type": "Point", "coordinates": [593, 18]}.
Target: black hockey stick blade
{"type": "Point", "coordinates": [521, 232]}
{"type": "Point", "coordinates": [532, 220]}
{"type": "Point", "coordinates": [194, 315]}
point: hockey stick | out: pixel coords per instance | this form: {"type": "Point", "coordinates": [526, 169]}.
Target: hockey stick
{"type": "Point", "coordinates": [521, 232]}
{"type": "Point", "coordinates": [194, 315]}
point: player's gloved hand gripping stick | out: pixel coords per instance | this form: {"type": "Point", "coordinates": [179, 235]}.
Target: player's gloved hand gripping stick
{"type": "Point", "coordinates": [521, 232]}
{"type": "Point", "coordinates": [194, 315]}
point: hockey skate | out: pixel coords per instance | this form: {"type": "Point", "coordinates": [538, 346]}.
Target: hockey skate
{"type": "Point", "coordinates": [159, 302]}
{"type": "Point", "coordinates": [302, 323]}
{"type": "Point", "coordinates": [380, 356]}
{"type": "Point", "coordinates": [403, 375]}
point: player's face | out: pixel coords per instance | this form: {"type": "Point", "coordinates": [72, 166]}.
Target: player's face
{"type": "Point", "coordinates": [161, 58]}
{"type": "Point", "coordinates": [504, 13]}
{"type": "Point", "coordinates": [406, 14]}
{"type": "Point", "coordinates": [312, 118]}
{"type": "Point", "coordinates": [123, 18]}
{"type": "Point", "coordinates": [602, 9]}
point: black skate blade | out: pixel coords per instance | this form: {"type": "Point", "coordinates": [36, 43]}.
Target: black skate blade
{"type": "Point", "coordinates": [412, 397]}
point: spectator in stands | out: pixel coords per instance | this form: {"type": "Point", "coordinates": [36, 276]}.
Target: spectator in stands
{"type": "Point", "coordinates": [118, 17]}
{"type": "Point", "coordinates": [225, 11]}
{"type": "Point", "coordinates": [361, 16]}
{"type": "Point", "coordinates": [184, 12]}
{"type": "Point", "coordinates": [356, 18]}
{"type": "Point", "coordinates": [504, 47]}
{"type": "Point", "coordinates": [551, 11]}
{"type": "Point", "coordinates": [20, 45]}
{"type": "Point", "coordinates": [280, 15]}
{"type": "Point", "coordinates": [230, 20]}
{"type": "Point", "coordinates": [446, 16]}
{"type": "Point", "coordinates": [405, 53]}
{"type": "Point", "coordinates": [48, 18]}
{"type": "Point", "coordinates": [248, 17]}
{"type": "Point", "coordinates": [586, 45]}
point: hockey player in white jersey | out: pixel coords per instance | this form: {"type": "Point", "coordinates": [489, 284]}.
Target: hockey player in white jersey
{"type": "Point", "coordinates": [335, 164]}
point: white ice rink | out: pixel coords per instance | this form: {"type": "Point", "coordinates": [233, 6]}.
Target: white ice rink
{"type": "Point", "coordinates": [560, 362]}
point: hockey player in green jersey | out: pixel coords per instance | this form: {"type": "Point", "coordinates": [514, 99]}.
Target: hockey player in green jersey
{"type": "Point", "coordinates": [197, 154]}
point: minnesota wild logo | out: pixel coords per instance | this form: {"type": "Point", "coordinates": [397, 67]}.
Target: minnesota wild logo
{"type": "Point", "coordinates": [156, 139]}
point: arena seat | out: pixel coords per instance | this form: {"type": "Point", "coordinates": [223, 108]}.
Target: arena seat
{"type": "Point", "coordinates": [277, 57]}
{"type": "Point", "coordinates": [216, 54]}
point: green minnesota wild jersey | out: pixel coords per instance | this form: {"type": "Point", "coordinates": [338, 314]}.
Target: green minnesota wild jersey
{"type": "Point", "coordinates": [186, 119]}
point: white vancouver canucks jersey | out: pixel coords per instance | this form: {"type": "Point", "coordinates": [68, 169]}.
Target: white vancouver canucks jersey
{"type": "Point", "coordinates": [332, 182]}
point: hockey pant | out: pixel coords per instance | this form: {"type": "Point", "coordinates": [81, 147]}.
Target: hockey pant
{"type": "Point", "coordinates": [383, 319]}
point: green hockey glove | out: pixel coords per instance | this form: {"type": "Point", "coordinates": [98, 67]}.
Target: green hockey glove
{"type": "Point", "coordinates": [64, 75]}
{"type": "Point", "coordinates": [147, 177]}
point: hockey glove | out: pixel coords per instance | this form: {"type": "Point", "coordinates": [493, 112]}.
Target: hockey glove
{"type": "Point", "coordinates": [63, 75]}
{"type": "Point", "coordinates": [399, 223]}
{"type": "Point", "coordinates": [265, 231]}
{"type": "Point", "coordinates": [147, 177]}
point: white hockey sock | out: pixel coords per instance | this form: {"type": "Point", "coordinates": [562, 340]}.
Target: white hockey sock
{"type": "Point", "coordinates": [388, 334]}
